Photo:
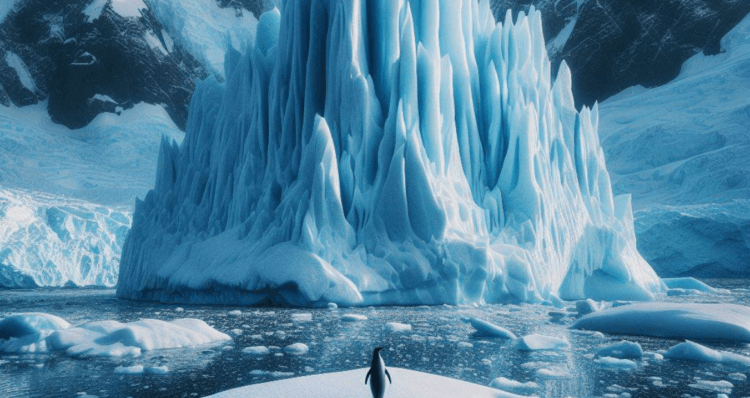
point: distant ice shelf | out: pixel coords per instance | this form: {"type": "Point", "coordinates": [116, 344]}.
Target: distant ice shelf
{"type": "Point", "coordinates": [410, 152]}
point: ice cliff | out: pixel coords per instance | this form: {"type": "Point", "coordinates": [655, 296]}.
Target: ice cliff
{"type": "Point", "coordinates": [377, 152]}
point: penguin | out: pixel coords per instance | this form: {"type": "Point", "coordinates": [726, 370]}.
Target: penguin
{"type": "Point", "coordinates": [378, 373]}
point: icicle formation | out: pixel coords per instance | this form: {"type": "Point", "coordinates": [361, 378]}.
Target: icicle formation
{"type": "Point", "coordinates": [386, 152]}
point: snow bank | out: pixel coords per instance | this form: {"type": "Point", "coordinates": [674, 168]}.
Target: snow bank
{"type": "Point", "coordinates": [695, 352]}
{"type": "Point", "coordinates": [406, 384]}
{"type": "Point", "coordinates": [728, 322]}
{"type": "Point", "coordinates": [35, 332]}
{"type": "Point", "coordinates": [682, 151]}
{"type": "Point", "coordinates": [384, 153]}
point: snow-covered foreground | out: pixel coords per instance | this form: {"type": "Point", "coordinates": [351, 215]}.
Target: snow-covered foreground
{"type": "Point", "coordinates": [683, 151]}
{"type": "Point", "coordinates": [543, 357]}
{"type": "Point", "coordinates": [67, 196]}
{"type": "Point", "coordinates": [408, 384]}
{"type": "Point", "coordinates": [386, 153]}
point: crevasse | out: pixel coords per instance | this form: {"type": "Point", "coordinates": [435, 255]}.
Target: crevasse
{"type": "Point", "coordinates": [372, 152]}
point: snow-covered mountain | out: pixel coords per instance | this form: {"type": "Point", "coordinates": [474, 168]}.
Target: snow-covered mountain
{"type": "Point", "coordinates": [683, 151]}
{"type": "Point", "coordinates": [611, 45]}
{"type": "Point", "coordinates": [86, 57]}
{"type": "Point", "coordinates": [385, 152]}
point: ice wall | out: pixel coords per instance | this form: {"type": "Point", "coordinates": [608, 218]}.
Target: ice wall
{"type": "Point", "coordinates": [370, 152]}
{"type": "Point", "coordinates": [47, 240]}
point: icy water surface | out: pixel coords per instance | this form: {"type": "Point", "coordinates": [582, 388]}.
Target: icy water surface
{"type": "Point", "coordinates": [439, 342]}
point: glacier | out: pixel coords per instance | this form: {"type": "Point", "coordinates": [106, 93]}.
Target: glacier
{"type": "Point", "coordinates": [66, 196]}
{"type": "Point", "coordinates": [373, 153]}
{"type": "Point", "coordinates": [682, 151]}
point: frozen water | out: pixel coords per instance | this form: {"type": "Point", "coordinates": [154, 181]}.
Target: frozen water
{"type": "Point", "coordinates": [587, 306]}
{"type": "Point", "coordinates": [6, 7]}
{"type": "Point", "coordinates": [676, 320]}
{"type": "Point", "coordinates": [383, 153]}
{"type": "Point", "coordinates": [434, 346]}
{"type": "Point", "coordinates": [15, 62]}
{"type": "Point", "coordinates": [395, 327]}
{"type": "Point", "coordinates": [502, 383]}
{"type": "Point", "coordinates": [128, 8]}
{"type": "Point", "coordinates": [94, 10]}
{"type": "Point", "coordinates": [353, 318]}
{"type": "Point", "coordinates": [296, 349]}
{"type": "Point", "coordinates": [617, 363]}
{"type": "Point", "coordinates": [256, 350]}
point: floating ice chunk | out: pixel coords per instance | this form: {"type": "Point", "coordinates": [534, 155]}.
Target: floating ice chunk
{"type": "Point", "coordinates": [622, 349]}
{"type": "Point", "coordinates": [353, 318]}
{"type": "Point", "coordinates": [129, 370]}
{"type": "Point", "coordinates": [24, 324]}
{"type": "Point", "coordinates": [234, 313]}
{"type": "Point", "coordinates": [695, 352]}
{"type": "Point", "coordinates": [710, 385]}
{"type": "Point", "coordinates": [465, 344]}
{"type": "Point", "coordinates": [737, 376]}
{"type": "Point", "coordinates": [552, 374]}
{"type": "Point", "coordinates": [683, 292]}
{"type": "Point", "coordinates": [236, 332]}
{"type": "Point", "coordinates": [256, 350]}
{"type": "Point", "coordinates": [297, 349]}
{"type": "Point", "coordinates": [302, 317]}
{"type": "Point", "coordinates": [616, 363]}
{"type": "Point", "coordinates": [485, 328]}
{"type": "Point", "coordinates": [157, 370]}
{"type": "Point", "coordinates": [690, 284]}
{"type": "Point", "coordinates": [501, 383]}
{"type": "Point", "coordinates": [587, 306]}
{"type": "Point", "coordinates": [653, 355]}
{"type": "Point", "coordinates": [332, 384]}
{"type": "Point", "coordinates": [536, 342]}
{"type": "Point", "coordinates": [332, 306]}
{"type": "Point", "coordinates": [179, 309]}
{"type": "Point", "coordinates": [728, 322]}
{"type": "Point", "coordinates": [395, 327]}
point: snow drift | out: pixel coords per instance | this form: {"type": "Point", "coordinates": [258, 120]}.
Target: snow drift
{"type": "Point", "coordinates": [385, 152]}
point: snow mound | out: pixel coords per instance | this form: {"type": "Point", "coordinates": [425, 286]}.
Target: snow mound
{"type": "Point", "coordinates": [385, 153]}
{"type": "Point", "coordinates": [406, 384]}
{"type": "Point", "coordinates": [485, 328]}
{"type": "Point", "coordinates": [695, 352]}
{"type": "Point", "coordinates": [34, 332]}
{"type": "Point", "coordinates": [537, 342]}
{"type": "Point", "coordinates": [729, 322]}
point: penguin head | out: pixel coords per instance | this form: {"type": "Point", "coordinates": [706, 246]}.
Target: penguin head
{"type": "Point", "coordinates": [376, 352]}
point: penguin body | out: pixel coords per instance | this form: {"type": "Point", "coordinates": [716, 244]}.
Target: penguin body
{"type": "Point", "coordinates": [377, 375]}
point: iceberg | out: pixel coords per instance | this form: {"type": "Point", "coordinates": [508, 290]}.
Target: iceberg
{"type": "Point", "coordinates": [373, 153]}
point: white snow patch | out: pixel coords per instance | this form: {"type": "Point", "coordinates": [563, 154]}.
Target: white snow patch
{"type": "Point", "coordinates": [102, 98]}
{"type": "Point", "coordinates": [154, 42]}
{"type": "Point", "coordinates": [128, 8]}
{"type": "Point", "coordinates": [15, 62]}
{"type": "Point", "coordinates": [94, 10]}
{"type": "Point", "coordinates": [406, 384]}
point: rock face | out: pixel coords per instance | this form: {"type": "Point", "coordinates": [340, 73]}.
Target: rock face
{"type": "Point", "coordinates": [84, 57]}
{"type": "Point", "coordinates": [611, 45]}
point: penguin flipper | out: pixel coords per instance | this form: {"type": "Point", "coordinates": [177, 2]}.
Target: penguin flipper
{"type": "Point", "coordinates": [368, 376]}
{"type": "Point", "coordinates": [389, 376]}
